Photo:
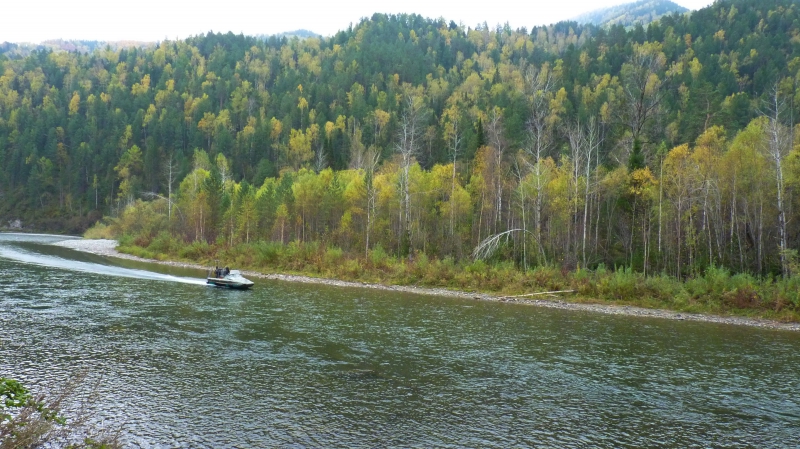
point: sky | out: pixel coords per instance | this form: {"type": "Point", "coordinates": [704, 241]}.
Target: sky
{"type": "Point", "coordinates": [155, 20]}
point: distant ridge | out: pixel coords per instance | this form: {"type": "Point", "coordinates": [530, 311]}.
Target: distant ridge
{"type": "Point", "coordinates": [23, 49]}
{"type": "Point", "coordinates": [630, 14]}
{"type": "Point", "coordinates": [300, 34]}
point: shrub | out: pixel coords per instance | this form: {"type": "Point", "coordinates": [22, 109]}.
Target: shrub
{"type": "Point", "coordinates": [197, 251]}
{"type": "Point", "coordinates": [744, 297]}
{"type": "Point", "coordinates": [268, 253]}
{"type": "Point", "coordinates": [125, 240]}
{"type": "Point", "coordinates": [546, 278]}
{"type": "Point", "coordinates": [28, 421]}
{"type": "Point", "coordinates": [100, 231]}
{"type": "Point", "coordinates": [477, 267]}
{"type": "Point", "coordinates": [420, 266]}
{"type": "Point", "coordinates": [717, 280]}
{"type": "Point", "coordinates": [352, 268]}
{"type": "Point", "coordinates": [441, 272]}
{"type": "Point", "coordinates": [663, 288]}
{"type": "Point", "coordinates": [621, 284]}
{"type": "Point", "coordinates": [163, 243]}
{"type": "Point", "coordinates": [333, 257]}
{"type": "Point", "coordinates": [379, 258]}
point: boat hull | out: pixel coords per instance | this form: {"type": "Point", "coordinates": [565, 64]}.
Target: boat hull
{"type": "Point", "coordinates": [218, 282]}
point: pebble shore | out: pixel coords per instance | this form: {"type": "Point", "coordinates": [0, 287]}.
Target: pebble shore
{"type": "Point", "coordinates": [108, 248]}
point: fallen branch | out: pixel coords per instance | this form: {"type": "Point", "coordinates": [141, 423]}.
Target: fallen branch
{"type": "Point", "coordinates": [541, 293]}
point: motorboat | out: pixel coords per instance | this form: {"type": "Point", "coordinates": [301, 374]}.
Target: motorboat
{"type": "Point", "coordinates": [224, 277]}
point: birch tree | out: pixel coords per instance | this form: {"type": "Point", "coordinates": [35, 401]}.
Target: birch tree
{"type": "Point", "coordinates": [409, 135]}
{"type": "Point", "coordinates": [540, 88]}
{"type": "Point", "coordinates": [778, 147]}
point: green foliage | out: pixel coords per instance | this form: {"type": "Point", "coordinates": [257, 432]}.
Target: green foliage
{"type": "Point", "coordinates": [636, 160]}
{"type": "Point", "coordinates": [280, 152]}
{"type": "Point", "coordinates": [198, 250]}
{"type": "Point", "coordinates": [333, 258]}
{"type": "Point", "coordinates": [100, 230]}
{"type": "Point", "coordinates": [28, 421]}
{"type": "Point", "coordinates": [12, 395]}
{"type": "Point", "coordinates": [164, 243]}
{"type": "Point", "coordinates": [97, 138]}
{"type": "Point", "coordinates": [379, 258]}
{"type": "Point", "coordinates": [268, 253]}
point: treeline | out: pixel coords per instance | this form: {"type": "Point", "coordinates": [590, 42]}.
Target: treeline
{"type": "Point", "coordinates": [668, 148]}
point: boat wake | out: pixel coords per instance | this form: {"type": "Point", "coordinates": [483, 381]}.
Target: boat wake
{"type": "Point", "coordinates": [21, 255]}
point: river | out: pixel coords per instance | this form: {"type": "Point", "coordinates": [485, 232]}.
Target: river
{"type": "Point", "coordinates": [179, 364]}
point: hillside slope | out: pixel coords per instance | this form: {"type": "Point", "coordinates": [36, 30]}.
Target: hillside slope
{"type": "Point", "coordinates": [238, 132]}
{"type": "Point", "coordinates": [641, 12]}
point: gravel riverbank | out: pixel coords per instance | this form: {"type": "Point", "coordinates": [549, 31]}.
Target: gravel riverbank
{"type": "Point", "coordinates": [108, 248]}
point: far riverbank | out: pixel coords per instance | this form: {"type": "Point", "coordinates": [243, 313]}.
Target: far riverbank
{"type": "Point", "coordinates": [108, 248]}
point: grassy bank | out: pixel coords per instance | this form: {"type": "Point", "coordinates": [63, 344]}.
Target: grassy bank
{"type": "Point", "coordinates": [714, 292]}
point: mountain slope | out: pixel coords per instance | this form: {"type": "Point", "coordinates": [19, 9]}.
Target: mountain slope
{"type": "Point", "coordinates": [85, 131]}
{"type": "Point", "coordinates": [629, 14]}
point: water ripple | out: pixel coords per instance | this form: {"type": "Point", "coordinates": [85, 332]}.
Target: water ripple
{"type": "Point", "coordinates": [307, 366]}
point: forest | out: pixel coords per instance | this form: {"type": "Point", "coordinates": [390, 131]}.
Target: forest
{"type": "Point", "coordinates": [669, 149]}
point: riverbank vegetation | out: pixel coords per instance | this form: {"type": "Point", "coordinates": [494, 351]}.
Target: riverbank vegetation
{"type": "Point", "coordinates": [30, 420]}
{"type": "Point", "coordinates": [667, 154]}
{"type": "Point", "coordinates": [715, 291]}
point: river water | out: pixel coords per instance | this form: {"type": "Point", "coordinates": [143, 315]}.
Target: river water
{"type": "Point", "coordinates": [179, 364]}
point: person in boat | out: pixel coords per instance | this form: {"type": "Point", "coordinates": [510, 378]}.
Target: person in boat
{"type": "Point", "coordinates": [226, 272]}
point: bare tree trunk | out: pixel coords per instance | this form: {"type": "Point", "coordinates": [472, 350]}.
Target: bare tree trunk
{"type": "Point", "coordinates": [521, 188]}
{"type": "Point", "coordinates": [495, 129]}
{"type": "Point", "coordinates": [778, 147]}
{"type": "Point", "coordinates": [585, 208]}
{"type": "Point", "coordinates": [408, 146]}
{"type": "Point", "coordinates": [540, 86]}
{"type": "Point", "coordinates": [455, 146]}
{"type": "Point", "coordinates": [660, 199]}
{"type": "Point", "coordinates": [733, 221]}
{"type": "Point", "coordinates": [760, 237]}
{"type": "Point", "coordinates": [680, 240]}
{"type": "Point", "coordinates": [372, 163]}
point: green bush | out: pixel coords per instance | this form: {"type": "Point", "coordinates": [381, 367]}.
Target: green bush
{"type": "Point", "coordinates": [420, 266]}
{"type": "Point", "coordinates": [546, 278]}
{"type": "Point", "coordinates": [379, 258]}
{"type": "Point", "coordinates": [125, 240]}
{"type": "Point", "coordinates": [477, 267]}
{"type": "Point", "coordinates": [163, 243]}
{"type": "Point", "coordinates": [352, 269]}
{"type": "Point", "coordinates": [197, 251]}
{"type": "Point", "coordinates": [440, 272]}
{"type": "Point", "coordinates": [100, 230]}
{"type": "Point", "coordinates": [268, 253]}
{"type": "Point", "coordinates": [622, 284]}
{"type": "Point", "coordinates": [333, 257]}
{"type": "Point", "coordinates": [664, 288]}
{"type": "Point", "coordinates": [28, 421]}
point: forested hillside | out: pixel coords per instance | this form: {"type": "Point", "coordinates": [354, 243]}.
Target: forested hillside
{"type": "Point", "coordinates": [667, 148]}
{"type": "Point", "coordinates": [637, 13]}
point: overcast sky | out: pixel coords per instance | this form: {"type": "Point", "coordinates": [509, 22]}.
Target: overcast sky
{"type": "Point", "coordinates": [152, 20]}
